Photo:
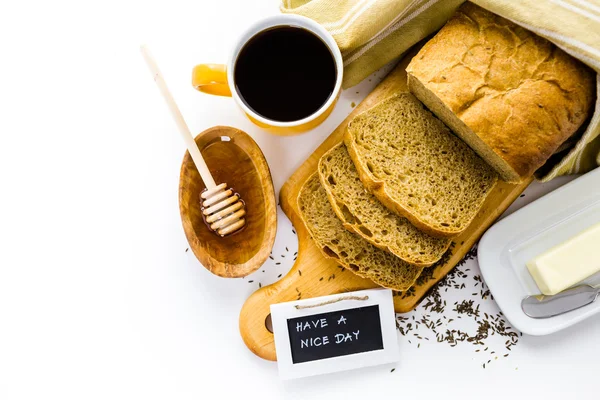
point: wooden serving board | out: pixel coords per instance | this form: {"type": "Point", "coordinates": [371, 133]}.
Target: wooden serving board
{"type": "Point", "coordinates": [313, 275]}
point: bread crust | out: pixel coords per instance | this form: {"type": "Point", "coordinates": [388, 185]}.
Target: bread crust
{"type": "Point", "coordinates": [518, 92]}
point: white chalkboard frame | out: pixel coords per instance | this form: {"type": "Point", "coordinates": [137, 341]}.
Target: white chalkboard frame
{"type": "Point", "coordinates": [281, 312]}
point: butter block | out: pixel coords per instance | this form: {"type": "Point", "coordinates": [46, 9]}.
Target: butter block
{"type": "Point", "coordinates": [568, 263]}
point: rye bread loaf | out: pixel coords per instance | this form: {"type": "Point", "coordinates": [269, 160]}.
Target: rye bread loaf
{"type": "Point", "coordinates": [513, 96]}
{"type": "Point", "coordinates": [361, 213]}
{"type": "Point", "coordinates": [416, 167]}
{"type": "Point", "coordinates": [350, 250]}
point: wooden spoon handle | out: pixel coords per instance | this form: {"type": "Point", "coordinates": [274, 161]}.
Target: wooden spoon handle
{"type": "Point", "coordinates": [209, 182]}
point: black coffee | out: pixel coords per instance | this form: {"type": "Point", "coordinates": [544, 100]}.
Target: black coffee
{"type": "Point", "coordinates": [285, 73]}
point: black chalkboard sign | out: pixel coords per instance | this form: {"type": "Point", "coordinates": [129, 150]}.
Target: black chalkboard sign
{"type": "Point", "coordinates": [334, 334]}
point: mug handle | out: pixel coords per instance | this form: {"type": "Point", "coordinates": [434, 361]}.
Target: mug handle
{"type": "Point", "coordinates": [211, 79]}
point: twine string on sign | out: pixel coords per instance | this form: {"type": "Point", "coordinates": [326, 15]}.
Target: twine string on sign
{"type": "Point", "coordinates": [361, 298]}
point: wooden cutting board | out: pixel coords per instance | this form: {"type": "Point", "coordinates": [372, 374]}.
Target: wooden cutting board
{"type": "Point", "coordinates": [313, 275]}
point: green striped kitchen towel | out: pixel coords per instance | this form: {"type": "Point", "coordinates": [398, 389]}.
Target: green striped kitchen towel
{"type": "Point", "coordinates": [371, 33]}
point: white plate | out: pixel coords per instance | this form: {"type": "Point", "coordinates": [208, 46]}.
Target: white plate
{"type": "Point", "coordinates": [530, 231]}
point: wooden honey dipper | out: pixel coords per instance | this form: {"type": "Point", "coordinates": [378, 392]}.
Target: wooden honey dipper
{"type": "Point", "coordinates": [222, 208]}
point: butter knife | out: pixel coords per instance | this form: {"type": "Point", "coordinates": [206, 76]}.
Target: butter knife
{"type": "Point", "coordinates": [542, 306]}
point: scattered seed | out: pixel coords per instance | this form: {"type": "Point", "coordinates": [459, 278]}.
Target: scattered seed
{"type": "Point", "coordinates": [435, 322]}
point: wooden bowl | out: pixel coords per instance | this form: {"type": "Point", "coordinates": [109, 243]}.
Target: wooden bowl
{"type": "Point", "coordinates": [233, 157]}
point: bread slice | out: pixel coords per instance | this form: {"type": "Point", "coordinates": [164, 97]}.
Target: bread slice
{"type": "Point", "coordinates": [351, 251]}
{"type": "Point", "coordinates": [361, 213]}
{"type": "Point", "coordinates": [416, 167]}
{"type": "Point", "coordinates": [511, 95]}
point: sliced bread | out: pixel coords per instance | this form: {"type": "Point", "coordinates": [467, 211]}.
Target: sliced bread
{"type": "Point", "coordinates": [364, 215]}
{"type": "Point", "coordinates": [351, 251]}
{"type": "Point", "coordinates": [416, 167]}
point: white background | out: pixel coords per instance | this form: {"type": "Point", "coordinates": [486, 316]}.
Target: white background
{"type": "Point", "coordinates": [98, 297]}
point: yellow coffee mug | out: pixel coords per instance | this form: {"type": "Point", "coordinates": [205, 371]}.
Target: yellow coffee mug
{"type": "Point", "coordinates": [218, 79]}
